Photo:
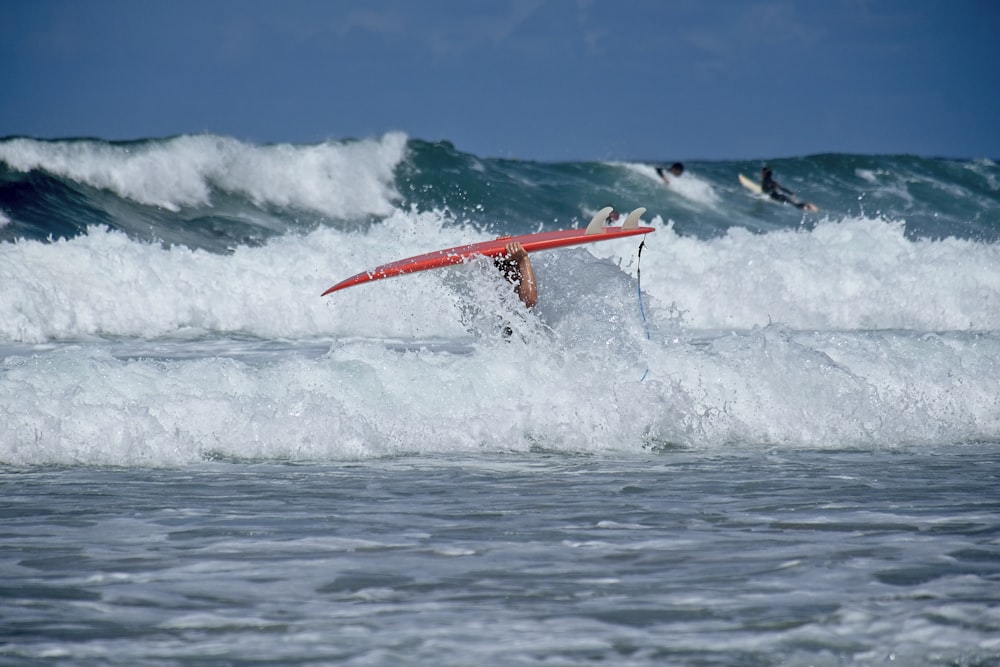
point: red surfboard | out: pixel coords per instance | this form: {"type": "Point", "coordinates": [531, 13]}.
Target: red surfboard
{"type": "Point", "coordinates": [595, 231]}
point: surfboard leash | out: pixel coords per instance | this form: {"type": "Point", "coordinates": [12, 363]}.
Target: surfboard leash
{"type": "Point", "coordinates": [638, 288]}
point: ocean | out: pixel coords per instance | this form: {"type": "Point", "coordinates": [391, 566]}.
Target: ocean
{"type": "Point", "coordinates": [756, 436]}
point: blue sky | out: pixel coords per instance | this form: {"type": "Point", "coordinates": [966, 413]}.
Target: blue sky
{"type": "Point", "coordinates": [530, 79]}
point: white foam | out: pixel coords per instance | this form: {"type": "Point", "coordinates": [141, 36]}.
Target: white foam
{"type": "Point", "coordinates": [852, 274]}
{"type": "Point", "coordinates": [688, 185]}
{"type": "Point", "coordinates": [875, 340]}
{"type": "Point", "coordinates": [855, 273]}
{"type": "Point", "coordinates": [771, 387]}
{"type": "Point", "coordinates": [343, 179]}
{"type": "Point", "coordinates": [869, 175]}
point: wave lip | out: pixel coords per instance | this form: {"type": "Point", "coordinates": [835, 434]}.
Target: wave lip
{"type": "Point", "coordinates": [340, 180]}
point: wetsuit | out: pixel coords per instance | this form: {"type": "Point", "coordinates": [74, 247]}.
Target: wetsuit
{"type": "Point", "coordinates": [778, 192]}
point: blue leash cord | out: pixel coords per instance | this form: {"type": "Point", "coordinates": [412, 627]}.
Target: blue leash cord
{"type": "Point", "coordinates": [638, 289]}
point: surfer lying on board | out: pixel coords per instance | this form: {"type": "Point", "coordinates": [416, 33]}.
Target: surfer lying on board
{"type": "Point", "coordinates": [778, 192]}
{"type": "Point", "coordinates": [516, 268]}
{"type": "Point", "coordinates": [676, 169]}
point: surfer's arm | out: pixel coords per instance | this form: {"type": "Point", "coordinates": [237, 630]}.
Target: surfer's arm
{"type": "Point", "coordinates": [523, 274]}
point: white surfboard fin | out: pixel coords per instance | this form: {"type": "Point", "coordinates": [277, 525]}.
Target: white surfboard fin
{"type": "Point", "coordinates": [597, 222]}
{"type": "Point", "coordinates": [632, 221]}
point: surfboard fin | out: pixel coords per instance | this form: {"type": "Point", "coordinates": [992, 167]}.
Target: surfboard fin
{"type": "Point", "coordinates": [597, 222]}
{"type": "Point", "coordinates": [632, 221]}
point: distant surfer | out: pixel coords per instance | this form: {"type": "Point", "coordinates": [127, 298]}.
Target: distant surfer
{"type": "Point", "coordinates": [778, 192]}
{"type": "Point", "coordinates": [516, 268]}
{"type": "Point", "coordinates": [613, 216]}
{"type": "Point", "coordinates": [677, 168]}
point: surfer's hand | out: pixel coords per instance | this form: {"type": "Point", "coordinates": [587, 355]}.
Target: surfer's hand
{"type": "Point", "coordinates": [521, 273]}
{"type": "Point", "coordinates": [515, 251]}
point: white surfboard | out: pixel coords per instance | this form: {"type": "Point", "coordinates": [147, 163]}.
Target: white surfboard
{"type": "Point", "coordinates": [752, 186]}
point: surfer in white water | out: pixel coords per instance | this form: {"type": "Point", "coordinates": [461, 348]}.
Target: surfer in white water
{"type": "Point", "coordinates": [778, 192]}
{"type": "Point", "coordinates": [677, 168]}
{"type": "Point", "coordinates": [516, 268]}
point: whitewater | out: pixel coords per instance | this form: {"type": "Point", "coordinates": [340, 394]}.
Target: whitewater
{"type": "Point", "coordinates": [762, 437]}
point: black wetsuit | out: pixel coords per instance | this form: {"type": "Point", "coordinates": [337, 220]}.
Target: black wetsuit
{"type": "Point", "coordinates": [778, 192]}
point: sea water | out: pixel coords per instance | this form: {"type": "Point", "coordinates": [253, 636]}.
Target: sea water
{"type": "Point", "coordinates": [762, 437]}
